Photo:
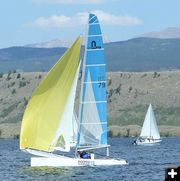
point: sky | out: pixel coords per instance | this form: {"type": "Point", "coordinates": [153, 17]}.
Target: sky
{"type": "Point", "coordinates": [25, 22]}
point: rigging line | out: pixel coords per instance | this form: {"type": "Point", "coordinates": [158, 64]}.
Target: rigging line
{"type": "Point", "coordinates": [90, 138]}
{"type": "Point", "coordinates": [86, 136]}
{"type": "Point", "coordinates": [93, 141]}
{"type": "Point", "coordinates": [82, 79]}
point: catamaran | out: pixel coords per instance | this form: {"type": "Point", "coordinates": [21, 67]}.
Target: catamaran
{"type": "Point", "coordinates": [48, 121]}
{"type": "Point", "coordinates": [149, 133]}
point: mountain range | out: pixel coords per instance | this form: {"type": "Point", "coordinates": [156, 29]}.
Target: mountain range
{"type": "Point", "coordinates": [171, 32]}
{"type": "Point", "coordinates": [51, 44]}
{"type": "Point", "coordinates": [137, 54]}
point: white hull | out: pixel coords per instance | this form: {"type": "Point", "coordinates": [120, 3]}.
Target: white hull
{"type": "Point", "coordinates": [73, 162]}
{"type": "Point", "coordinates": [147, 142]}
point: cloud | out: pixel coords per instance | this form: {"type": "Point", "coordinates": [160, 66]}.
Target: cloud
{"type": "Point", "coordinates": [52, 22]}
{"type": "Point", "coordinates": [117, 20]}
{"type": "Point", "coordinates": [69, 1]}
{"type": "Point", "coordinates": [107, 19]}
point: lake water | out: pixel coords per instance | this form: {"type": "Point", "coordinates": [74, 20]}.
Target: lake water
{"type": "Point", "coordinates": [146, 163]}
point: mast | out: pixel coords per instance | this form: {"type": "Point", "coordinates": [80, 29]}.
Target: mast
{"type": "Point", "coordinates": [82, 79]}
{"type": "Point", "coordinates": [80, 100]}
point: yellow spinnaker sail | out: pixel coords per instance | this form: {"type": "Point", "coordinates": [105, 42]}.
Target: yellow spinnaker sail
{"type": "Point", "coordinates": [45, 108]}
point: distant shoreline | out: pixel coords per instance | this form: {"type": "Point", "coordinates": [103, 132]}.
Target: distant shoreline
{"type": "Point", "coordinates": [114, 131]}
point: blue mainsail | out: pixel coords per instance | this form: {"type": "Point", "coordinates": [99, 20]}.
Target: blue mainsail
{"type": "Point", "coordinates": [92, 112]}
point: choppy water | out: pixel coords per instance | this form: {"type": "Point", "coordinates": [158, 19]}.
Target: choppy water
{"type": "Point", "coordinates": [145, 163]}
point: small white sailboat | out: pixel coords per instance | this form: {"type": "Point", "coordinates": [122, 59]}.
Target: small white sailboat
{"type": "Point", "coordinates": [149, 133]}
{"type": "Point", "coordinates": [48, 122]}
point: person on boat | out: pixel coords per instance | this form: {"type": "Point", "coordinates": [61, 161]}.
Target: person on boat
{"type": "Point", "coordinates": [84, 155]}
{"type": "Point", "coordinates": [134, 142]}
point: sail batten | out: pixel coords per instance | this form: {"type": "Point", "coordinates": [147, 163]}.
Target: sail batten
{"type": "Point", "coordinates": [45, 109]}
{"type": "Point", "coordinates": [92, 115]}
{"type": "Point", "coordinates": [95, 65]}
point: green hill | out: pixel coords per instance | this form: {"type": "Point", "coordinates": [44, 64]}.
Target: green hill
{"type": "Point", "coordinates": [128, 94]}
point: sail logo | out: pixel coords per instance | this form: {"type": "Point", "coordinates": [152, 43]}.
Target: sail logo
{"type": "Point", "coordinates": [101, 81]}
{"type": "Point", "coordinates": [94, 46]}
{"type": "Point", "coordinates": [102, 84]}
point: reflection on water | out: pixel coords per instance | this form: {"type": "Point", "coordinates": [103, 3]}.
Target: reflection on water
{"type": "Point", "coordinates": [145, 163]}
{"type": "Point", "coordinates": [46, 172]}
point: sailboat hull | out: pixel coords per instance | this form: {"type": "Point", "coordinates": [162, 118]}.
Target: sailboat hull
{"type": "Point", "coordinates": [73, 162]}
{"type": "Point", "coordinates": [147, 142]}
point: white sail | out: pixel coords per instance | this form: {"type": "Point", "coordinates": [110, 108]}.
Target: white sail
{"type": "Point", "coordinates": [150, 128]}
{"type": "Point", "coordinates": [66, 127]}
{"type": "Point", "coordinates": [92, 128]}
{"type": "Point", "coordinates": [75, 127]}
